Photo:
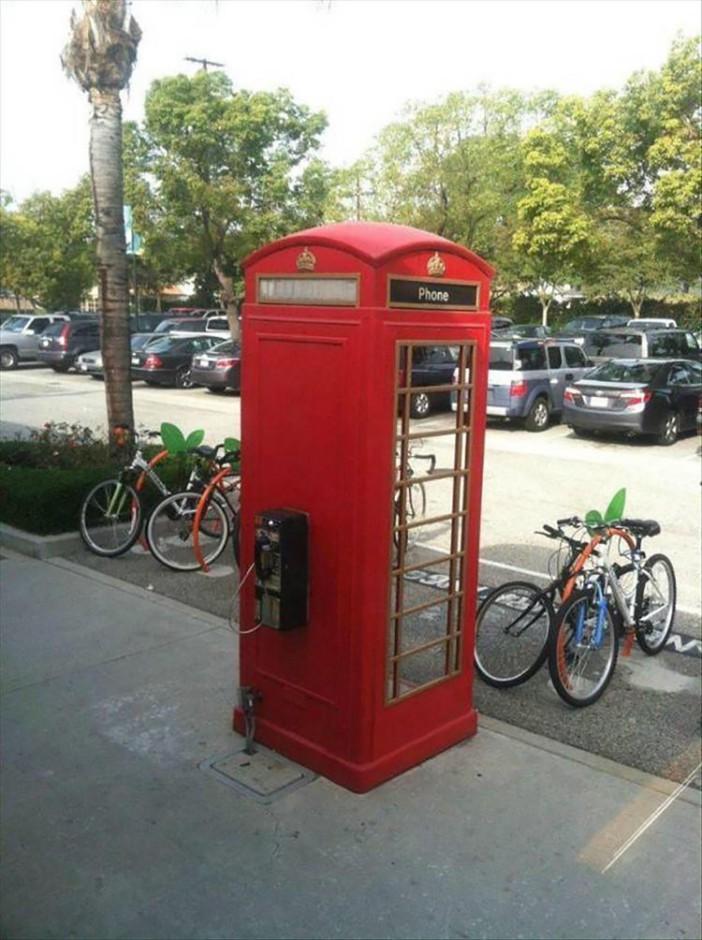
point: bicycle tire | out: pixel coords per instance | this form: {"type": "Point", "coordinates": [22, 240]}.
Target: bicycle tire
{"type": "Point", "coordinates": [568, 659]}
{"type": "Point", "coordinates": [503, 659]}
{"type": "Point", "coordinates": [111, 537]}
{"type": "Point", "coordinates": [169, 531]}
{"type": "Point", "coordinates": [653, 642]}
{"type": "Point", "coordinates": [416, 501]}
{"type": "Point", "coordinates": [236, 534]}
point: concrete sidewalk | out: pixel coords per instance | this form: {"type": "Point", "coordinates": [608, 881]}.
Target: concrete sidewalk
{"type": "Point", "coordinates": [113, 698]}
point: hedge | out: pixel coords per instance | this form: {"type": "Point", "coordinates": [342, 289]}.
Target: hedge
{"type": "Point", "coordinates": [47, 501]}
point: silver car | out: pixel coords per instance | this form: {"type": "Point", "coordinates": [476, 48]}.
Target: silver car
{"type": "Point", "coordinates": [19, 337]}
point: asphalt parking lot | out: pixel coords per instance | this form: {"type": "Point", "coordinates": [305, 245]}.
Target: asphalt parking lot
{"type": "Point", "coordinates": [649, 717]}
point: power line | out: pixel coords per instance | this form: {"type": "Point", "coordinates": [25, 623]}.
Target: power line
{"type": "Point", "coordinates": [204, 62]}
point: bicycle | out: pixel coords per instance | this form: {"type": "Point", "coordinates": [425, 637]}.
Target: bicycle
{"type": "Point", "coordinates": [189, 530]}
{"type": "Point", "coordinates": [111, 515]}
{"type": "Point", "coordinates": [584, 646]}
{"type": "Point", "coordinates": [410, 504]}
{"type": "Point", "coordinates": [515, 620]}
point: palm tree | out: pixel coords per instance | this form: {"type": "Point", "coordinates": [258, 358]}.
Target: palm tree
{"type": "Point", "coordinates": [100, 56]}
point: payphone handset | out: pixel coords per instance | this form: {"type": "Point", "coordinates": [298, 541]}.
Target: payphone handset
{"type": "Point", "coordinates": [281, 565]}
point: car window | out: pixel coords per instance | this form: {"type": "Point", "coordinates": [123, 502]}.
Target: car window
{"type": "Point", "coordinates": [15, 324]}
{"type": "Point", "coordinates": [554, 357]}
{"type": "Point", "coordinates": [225, 348]}
{"type": "Point", "coordinates": [38, 325]}
{"type": "Point", "coordinates": [671, 344]}
{"type": "Point", "coordinates": [217, 323]}
{"type": "Point", "coordinates": [529, 360]}
{"type": "Point", "coordinates": [679, 375]}
{"type": "Point", "coordinates": [55, 328]}
{"type": "Point", "coordinates": [85, 329]}
{"type": "Point", "coordinates": [501, 358]}
{"type": "Point", "coordinates": [199, 343]}
{"type": "Point", "coordinates": [695, 372]}
{"type": "Point", "coordinates": [574, 356]}
{"type": "Point", "coordinates": [690, 343]}
{"type": "Point", "coordinates": [613, 371]}
{"type": "Point", "coordinates": [620, 345]}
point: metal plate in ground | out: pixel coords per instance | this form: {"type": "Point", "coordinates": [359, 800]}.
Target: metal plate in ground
{"type": "Point", "coordinates": [264, 776]}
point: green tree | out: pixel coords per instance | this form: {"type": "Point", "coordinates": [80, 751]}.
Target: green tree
{"type": "Point", "coordinates": [232, 169]}
{"type": "Point", "coordinates": [454, 167]}
{"type": "Point", "coordinates": [48, 247]}
{"type": "Point", "coordinates": [553, 233]}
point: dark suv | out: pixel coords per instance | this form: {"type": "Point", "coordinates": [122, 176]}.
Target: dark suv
{"type": "Point", "coordinates": [579, 329]}
{"type": "Point", "coordinates": [62, 343]}
{"type": "Point", "coordinates": [642, 344]}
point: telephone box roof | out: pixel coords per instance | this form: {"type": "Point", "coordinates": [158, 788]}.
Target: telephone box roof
{"type": "Point", "coordinates": [373, 242]}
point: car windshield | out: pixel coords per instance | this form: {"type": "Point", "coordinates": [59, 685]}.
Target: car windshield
{"type": "Point", "coordinates": [165, 344]}
{"type": "Point", "coordinates": [617, 345]}
{"type": "Point", "coordinates": [639, 372]}
{"type": "Point", "coordinates": [224, 349]}
{"type": "Point", "coordinates": [15, 324]}
{"type": "Point", "coordinates": [584, 323]}
{"type": "Point", "coordinates": [502, 358]}
{"type": "Point", "coordinates": [527, 330]}
{"type": "Point", "coordinates": [191, 326]}
{"type": "Point", "coordinates": [139, 340]}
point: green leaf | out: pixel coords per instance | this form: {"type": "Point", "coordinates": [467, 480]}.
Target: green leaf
{"type": "Point", "coordinates": [594, 519]}
{"type": "Point", "coordinates": [194, 439]}
{"type": "Point", "coordinates": [173, 439]}
{"type": "Point", "coordinates": [615, 510]}
{"type": "Point", "coordinates": [231, 443]}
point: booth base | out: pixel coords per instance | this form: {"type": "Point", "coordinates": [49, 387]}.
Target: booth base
{"type": "Point", "coordinates": [361, 777]}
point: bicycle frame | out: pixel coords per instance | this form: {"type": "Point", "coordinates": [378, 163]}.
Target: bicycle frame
{"type": "Point", "coordinates": [214, 484]}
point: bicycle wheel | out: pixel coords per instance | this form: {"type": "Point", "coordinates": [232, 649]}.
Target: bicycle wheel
{"type": "Point", "coordinates": [655, 604]}
{"type": "Point", "coordinates": [110, 518]}
{"type": "Point", "coordinates": [416, 501]}
{"type": "Point", "coordinates": [169, 531]}
{"type": "Point", "coordinates": [583, 651]}
{"type": "Point", "coordinates": [512, 633]}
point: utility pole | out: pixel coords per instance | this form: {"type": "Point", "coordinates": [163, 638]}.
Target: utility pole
{"type": "Point", "coordinates": [204, 63]}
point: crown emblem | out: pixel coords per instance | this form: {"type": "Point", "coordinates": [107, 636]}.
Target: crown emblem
{"type": "Point", "coordinates": [306, 260]}
{"type": "Point", "coordinates": [435, 266]}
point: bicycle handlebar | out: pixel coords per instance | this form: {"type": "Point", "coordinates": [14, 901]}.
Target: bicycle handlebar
{"type": "Point", "coordinates": [430, 457]}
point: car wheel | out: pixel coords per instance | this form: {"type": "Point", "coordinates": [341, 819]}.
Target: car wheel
{"type": "Point", "coordinates": [215, 391]}
{"type": "Point", "coordinates": [580, 432]}
{"type": "Point", "coordinates": [149, 382]}
{"type": "Point", "coordinates": [183, 378]}
{"type": "Point", "coordinates": [420, 405]}
{"type": "Point", "coordinates": [8, 358]}
{"type": "Point", "coordinates": [668, 434]}
{"type": "Point", "coordinates": [61, 368]}
{"type": "Point", "coordinates": [539, 413]}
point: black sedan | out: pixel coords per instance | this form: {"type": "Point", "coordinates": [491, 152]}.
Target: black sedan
{"type": "Point", "coordinates": [167, 361]}
{"type": "Point", "coordinates": [218, 368]}
{"type": "Point", "coordinates": [636, 396]}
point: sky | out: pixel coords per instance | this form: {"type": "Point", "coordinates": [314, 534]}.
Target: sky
{"type": "Point", "coordinates": [360, 61]}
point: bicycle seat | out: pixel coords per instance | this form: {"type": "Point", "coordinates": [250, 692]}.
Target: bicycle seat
{"type": "Point", "coordinates": [641, 526]}
{"type": "Point", "coordinates": [203, 451]}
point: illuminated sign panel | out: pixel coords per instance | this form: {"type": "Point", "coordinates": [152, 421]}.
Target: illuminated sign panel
{"type": "Point", "coordinates": [308, 290]}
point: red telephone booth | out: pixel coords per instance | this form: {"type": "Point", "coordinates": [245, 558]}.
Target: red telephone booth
{"type": "Point", "coordinates": [363, 420]}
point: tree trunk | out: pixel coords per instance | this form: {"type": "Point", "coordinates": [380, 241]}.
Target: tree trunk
{"type": "Point", "coordinates": [228, 300]}
{"type": "Point", "coordinates": [106, 172]}
{"type": "Point", "coordinates": [545, 302]}
{"type": "Point", "coordinates": [158, 300]}
{"type": "Point", "coordinates": [636, 305]}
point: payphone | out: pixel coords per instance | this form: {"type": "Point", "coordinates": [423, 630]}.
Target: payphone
{"type": "Point", "coordinates": [281, 564]}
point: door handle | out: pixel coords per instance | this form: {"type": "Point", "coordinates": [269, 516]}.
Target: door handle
{"type": "Point", "coordinates": [569, 376]}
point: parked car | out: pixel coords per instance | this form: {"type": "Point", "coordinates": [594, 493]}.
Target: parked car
{"type": "Point", "coordinates": [144, 322]}
{"type": "Point", "coordinates": [166, 360]}
{"type": "Point", "coordinates": [644, 396]}
{"type": "Point", "coordinates": [62, 343]}
{"type": "Point", "coordinates": [218, 368]}
{"type": "Point", "coordinates": [653, 323]}
{"type": "Point", "coordinates": [431, 365]}
{"type": "Point", "coordinates": [527, 378]}
{"type": "Point", "coordinates": [577, 330]}
{"type": "Point", "coordinates": [642, 344]}
{"type": "Point", "coordinates": [91, 364]}
{"type": "Point", "coordinates": [19, 337]}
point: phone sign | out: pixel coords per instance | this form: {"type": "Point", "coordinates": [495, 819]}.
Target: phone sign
{"type": "Point", "coordinates": [415, 292]}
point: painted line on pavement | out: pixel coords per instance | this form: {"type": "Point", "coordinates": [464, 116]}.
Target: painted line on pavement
{"type": "Point", "coordinates": [652, 818]}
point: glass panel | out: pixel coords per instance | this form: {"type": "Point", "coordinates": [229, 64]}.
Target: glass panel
{"type": "Point", "coordinates": [429, 515]}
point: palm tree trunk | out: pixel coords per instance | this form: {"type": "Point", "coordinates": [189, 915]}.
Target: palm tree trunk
{"type": "Point", "coordinates": [113, 277]}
